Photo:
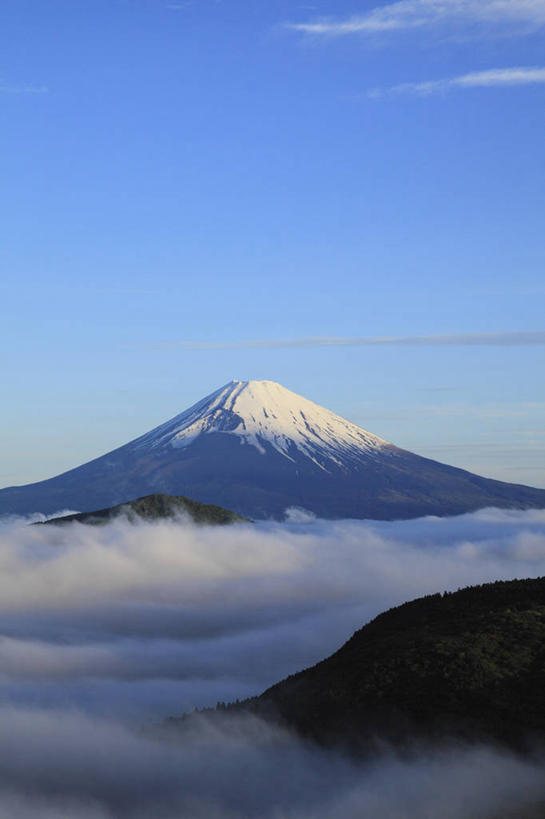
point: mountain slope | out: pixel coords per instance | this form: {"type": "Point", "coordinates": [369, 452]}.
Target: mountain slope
{"type": "Point", "coordinates": [469, 664]}
{"type": "Point", "coordinates": [152, 507]}
{"type": "Point", "coordinates": [257, 448]}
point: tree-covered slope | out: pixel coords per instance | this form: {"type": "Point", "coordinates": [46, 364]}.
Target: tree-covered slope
{"type": "Point", "coordinates": [469, 664]}
{"type": "Point", "coordinates": [155, 507]}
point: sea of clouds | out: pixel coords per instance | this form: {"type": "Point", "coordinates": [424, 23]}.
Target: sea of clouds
{"type": "Point", "coordinates": [106, 630]}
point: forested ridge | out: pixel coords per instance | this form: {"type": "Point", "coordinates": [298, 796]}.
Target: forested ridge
{"type": "Point", "coordinates": [468, 664]}
{"type": "Point", "coordinates": [155, 507]}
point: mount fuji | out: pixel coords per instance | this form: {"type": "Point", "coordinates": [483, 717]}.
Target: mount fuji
{"type": "Point", "coordinates": [258, 448]}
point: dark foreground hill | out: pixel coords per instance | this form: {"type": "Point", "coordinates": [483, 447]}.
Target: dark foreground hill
{"type": "Point", "coordinates": [467, 665]}
{"type": "Point", "coordinates": [257, 448]}
{"type": "Point", "coordinates": [153, 507]}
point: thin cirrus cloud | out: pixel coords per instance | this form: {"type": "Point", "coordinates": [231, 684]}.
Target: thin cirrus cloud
{"type": "Point", "coordinates": [407, 14]}
{"type": "Point", "coordinates": [522, 339]}
{"type": "Point", "coordinates": [491, 78]}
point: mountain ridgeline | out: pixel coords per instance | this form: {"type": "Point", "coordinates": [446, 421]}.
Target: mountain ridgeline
{"type": "Point", "coordinates": [153, 508]}
{"type": "Point", "coordinates": [257, 448]}
{"type": "Point", "coordinates": [468, 665]}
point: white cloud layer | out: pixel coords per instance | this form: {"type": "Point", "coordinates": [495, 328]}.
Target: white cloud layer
{"type": "Point", "coordinates": [158, 618]}
{"type": "Point", "coordinates": [414, 14]}
{"type": "Point", "coordinates": [491, 78]}
{"type": "Point", "coordinates": [520, 339]}
{"type": "Point", "coordinates": [106, 628]}
{"type": "Point", "coordinates": [64, 765]}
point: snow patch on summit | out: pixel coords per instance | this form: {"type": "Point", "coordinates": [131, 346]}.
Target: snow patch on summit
{"type": "Point", "coordinates": [265, 414]}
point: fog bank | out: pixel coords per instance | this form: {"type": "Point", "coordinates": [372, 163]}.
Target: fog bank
{"type": "Point", "coordinates": [151, 619]}
{"type": "Point", "coordinates": [64, 764]}
{"type": "Point", "coordinates": [106, 630]}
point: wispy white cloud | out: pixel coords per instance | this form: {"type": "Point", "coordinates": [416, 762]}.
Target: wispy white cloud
{"type": "Point", "coordinates": [453, 340]}
{"type": "Point", "coordinates": [429, 13]}
{"type": "Point", "coordinates": [491, 78]}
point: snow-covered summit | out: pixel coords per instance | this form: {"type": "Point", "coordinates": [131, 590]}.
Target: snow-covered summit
{"type": "Point", "coordinates": [264, 413]}
{"type": "Point", "coordinates": [259, 449]}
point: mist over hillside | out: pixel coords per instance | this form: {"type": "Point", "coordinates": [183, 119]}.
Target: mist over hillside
{"type": "Point", "coordinates": [466, 665]}
{"type": "Point", "coordinates": [107, 629]}
{"type": "Point", "coordinates": [151, 508]}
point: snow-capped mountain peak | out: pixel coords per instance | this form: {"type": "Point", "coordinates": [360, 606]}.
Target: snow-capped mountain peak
{"type": "Point", "coordinates": [265, 414]}
{"type": "Point", "coordinates": [259, 449]}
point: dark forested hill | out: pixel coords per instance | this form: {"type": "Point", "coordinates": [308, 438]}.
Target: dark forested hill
{"type": "Point", "coordinates": [155, 507]}
{"type": "Point", "coordinates": [469, 664]}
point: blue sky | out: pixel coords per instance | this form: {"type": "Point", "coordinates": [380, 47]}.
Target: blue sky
{"type": "Point", "coordinates": [199, 191]}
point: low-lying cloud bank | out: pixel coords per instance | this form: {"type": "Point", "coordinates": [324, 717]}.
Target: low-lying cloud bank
{"type": "Point", "coordinates": [67, 765]}
{"type": "Point", "coordinates": [157, 618]}
{"type": "Point", "coordinates": [107, 629]}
